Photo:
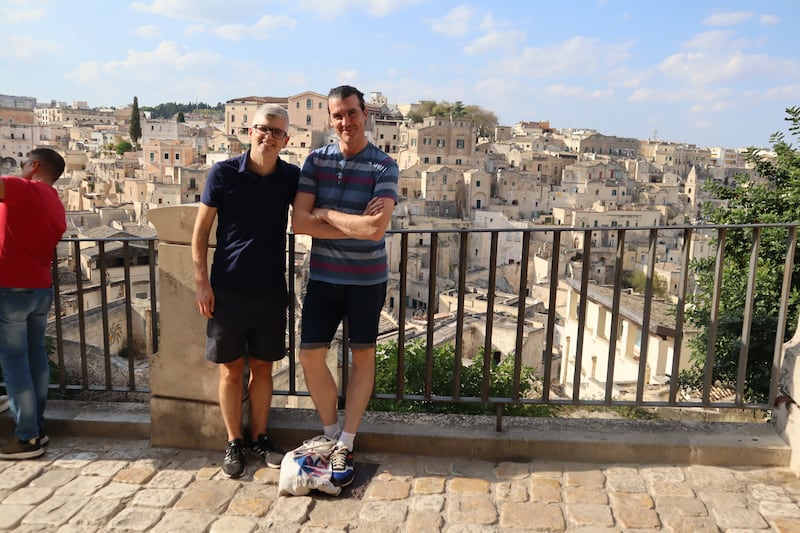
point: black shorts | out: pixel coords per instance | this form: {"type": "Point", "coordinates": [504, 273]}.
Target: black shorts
{"type": "Point", "coordinates": [247, 323]}
{"type": "Point", "coordinates": [326, 304]}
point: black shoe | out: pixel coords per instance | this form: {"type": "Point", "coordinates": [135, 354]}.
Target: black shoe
{"type": "Point", "coordinates": [233, 464]}
{"type": "Point", "coordinates": [341, 465]}
{"type": "Point", "coordinates": [44, 440]}
{"type": "Point", "coordinates": [266, 449]}
{"type": "Point", "coordinates": [20, 449]}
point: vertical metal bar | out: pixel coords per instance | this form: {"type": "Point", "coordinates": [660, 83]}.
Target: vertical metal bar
{"type": "Point", "coordinates": [434, 250]}
{"type": "Point", "coordinates": [551, 315]}
{"type": "Point", "coordinates": [648, 301]}
{"type": "Point", "coordinates": [487, 346]}
{"type": "Point", "coordinates": [101, 259]}
{"type": "Point", "coordinates": [747, 317]}
{"type": "Point", "coordinates": [154, 321]}
{"type": "Point", "coordinates": [59, 326]}
{"type": "Point", "coordinates": [777, 358]}
{"type": "Point", "coordinates": [679, 315]}
{"type": "Point", "coordinates": [462, 283]}
{"type": "Point", "coordinates": [521, 306]}
{"type": "Point", "coordinates": [81, 315]}
{"type": "Point", "coordinates": [615, 303]}
{"type": "Point", "coordinates": [708, 373]}
{"type": "Point", "coordinates": [583, 303]}
{"type": "Point", "coordinates": [291, 313]}
{"type": "Point", "coordinates": [129, 316]}
{"type": "Point", "coordinates": [401, 318]}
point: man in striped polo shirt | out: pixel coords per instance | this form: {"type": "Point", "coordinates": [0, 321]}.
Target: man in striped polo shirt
{"type": "Point", "coordinates": [345, 198]}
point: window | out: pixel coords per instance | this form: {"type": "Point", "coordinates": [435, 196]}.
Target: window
{"type": "Point", "coordinates": [440, 143]}
{"type": "Point", "coordinates": [477, 183]}
{"type": "Point", "coordinates": [308, 120]}
{"type": "Point", "coordinates": [297, 105]}
{"type": "Point", "coordinates": [177, 157]}
{"type": "Point", "coordinates": [458, 161]}
{"type": "Point", "coordinates": [152, 156]}
{"type": "Point", "coordinates": [613, 192]}
{"type": "Point", "coordinates": [426, 140]}
{"type": "Point", "coordinates": [166, 157]}
{"type": "Point", "coordinates": [426, 160]}
{"type": "Point", "coordinates": [438, 160]}
{"type": "Point", "coordinates": [413, 142]}
{"type": "Point", "coordinates": [233, 118]}
{"type": "Point", "coordinates": [244, 119]}
{"type": "Point", "coordinates": [309, 104]}
{"type": "Point", "coordinates": [460, 144]}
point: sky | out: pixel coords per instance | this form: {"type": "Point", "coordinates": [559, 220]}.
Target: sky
{"type": "Point", "coordinates": [710, 73]}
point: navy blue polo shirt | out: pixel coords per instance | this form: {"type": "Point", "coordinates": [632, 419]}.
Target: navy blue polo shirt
{"type": "Point", "coordinates": [252, 215]}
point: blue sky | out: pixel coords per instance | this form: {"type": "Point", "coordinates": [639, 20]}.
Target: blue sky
{"type": "Point", "coordinates": [711, 73]}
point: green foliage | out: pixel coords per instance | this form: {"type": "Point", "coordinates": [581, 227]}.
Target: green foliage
{"type": "Point", "coordinates": [171, 109]}
{"type": "Point", "coordinates": [775, 198]}
{"type": "Point", "coordinates": [181, 118]}
{"type": "Point", "coordinates": [123, 146]}
{"type": "Point", "coordinates": [483, 120]}
{"type": "Point", "coordinates": [135, 130]}
{"type": "Point", "coordinates": [638, 282]}
{"type": "Point", "coordinates": [500, 385]}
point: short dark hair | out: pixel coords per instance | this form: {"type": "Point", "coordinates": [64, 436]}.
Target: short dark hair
{"type": "Point", "coordinates": [51, 160]}
{"type": "Point", "coordinates": [345, 91]}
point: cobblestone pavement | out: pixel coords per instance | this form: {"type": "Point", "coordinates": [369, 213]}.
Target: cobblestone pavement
{"type": "Point", "coordinates": [91, 485]}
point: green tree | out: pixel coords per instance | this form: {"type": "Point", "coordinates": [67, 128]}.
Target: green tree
{"type": "Point", "coordinates": [771, 197]}
{"type": "Point", "coordinates": [181, 118]}
{"type": "Point", "coordinates": [501, 381]}
{"type": "Point", "coordinates": [135, 130]}
{"type": "Point", "coordinates": [638, 282]}
{"type": "Point", "coordinates": [123, 146]}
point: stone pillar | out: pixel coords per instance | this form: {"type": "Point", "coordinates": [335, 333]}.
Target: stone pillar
{"type": "Point", "coordinates": [786, 413]}
{"type": "Point", "coordinates": [184, 409]}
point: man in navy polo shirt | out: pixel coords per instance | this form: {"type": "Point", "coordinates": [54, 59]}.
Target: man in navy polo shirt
{"type": "Point", "coordinates": [245, 298]}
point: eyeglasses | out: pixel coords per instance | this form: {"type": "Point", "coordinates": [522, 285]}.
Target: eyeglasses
{"type": "Point", "coordinates": [340, 165]}
{"type": "Point", "coordinates": [276, 133]}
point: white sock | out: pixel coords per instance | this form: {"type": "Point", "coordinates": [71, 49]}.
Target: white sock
{"type": "Point", "coordinates": [332, 431]}
{"type": "Point", "coordinates": [347, 439]}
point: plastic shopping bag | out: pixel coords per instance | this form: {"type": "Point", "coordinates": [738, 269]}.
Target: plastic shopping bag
{"type": "Point", "coordinates": [308, 468]}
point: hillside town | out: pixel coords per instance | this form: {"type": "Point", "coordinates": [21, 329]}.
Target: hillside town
{"type": "Point", "coordinates": [524, 176]}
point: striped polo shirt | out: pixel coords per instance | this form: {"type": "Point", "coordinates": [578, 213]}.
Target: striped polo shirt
{"type": "Point", "coordinates": [347, 185]}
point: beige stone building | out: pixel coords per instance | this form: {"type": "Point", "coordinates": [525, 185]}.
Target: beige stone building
{"type": "Point", "coordinates": [437, 141]}
{"type": "Point", "coordinates": [308, 111]}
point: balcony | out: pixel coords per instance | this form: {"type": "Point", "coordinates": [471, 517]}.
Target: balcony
{"type": "Point", "coordinates": [126, 331]}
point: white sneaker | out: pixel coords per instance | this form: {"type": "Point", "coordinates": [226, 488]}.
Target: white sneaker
{"type": "Point", "coordinates": [3, 403]}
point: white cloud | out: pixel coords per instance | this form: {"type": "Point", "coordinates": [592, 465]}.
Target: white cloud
{"type": "Point", "coordinates": [148, 32]}
{"type": "Point", "coordinates": [14, 16]}
{"type": "Point", "coordinates": [494, 41]}
{"type": "Point", "coordinates": [578, 56]}
{"type": "Point", "coordinates": [267, 27]}
{"type": "Point", "coordinates": [340, 8]}
{"type": "Point", "coordinates": [347, 77]}
{"type": "Point", "coordinates": [456, 22]}
{"type": "Point", "coordinates": [561, 90]}
{"type": "Point", "coordinates": [24, 48]}
{"type": "Point", "coordinates": [791, 91]}
{"type": "Point", "coordinates": [768, 20]}
{"type": "Point", "coordinates": [210, 11]}
{"type": "Point", "coordinates": [729, 18]}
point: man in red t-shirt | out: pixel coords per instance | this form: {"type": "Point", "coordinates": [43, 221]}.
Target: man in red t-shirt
{"type": "Point", "coordinates": [32, 221]}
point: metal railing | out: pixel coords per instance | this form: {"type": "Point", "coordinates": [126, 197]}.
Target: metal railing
{"type": "Point", "coordinates": [451, 257]}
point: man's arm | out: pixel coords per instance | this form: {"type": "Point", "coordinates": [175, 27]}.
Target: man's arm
{"type": "Point", "coordinates": [371, 225]}
{"type": "Point", "coordinates": [204, 297]}
{"type": "Point", "coordinates": [305, 222]}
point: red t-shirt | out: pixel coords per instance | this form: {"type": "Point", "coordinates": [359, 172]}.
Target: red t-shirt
{"type": "Point", "coordinates": [32, 221]}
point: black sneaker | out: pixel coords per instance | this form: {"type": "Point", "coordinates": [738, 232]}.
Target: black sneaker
{"type": "Point", "coordinates": [266, 449]}
{"type": "Point", "coordinates": [233, 464]}
{"type": "Point", "coordinates": [20, 449]}
{"type": "Point", "coordinates": [44, 440]}
{"type": "Point", "coordinates": [341, 465]}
